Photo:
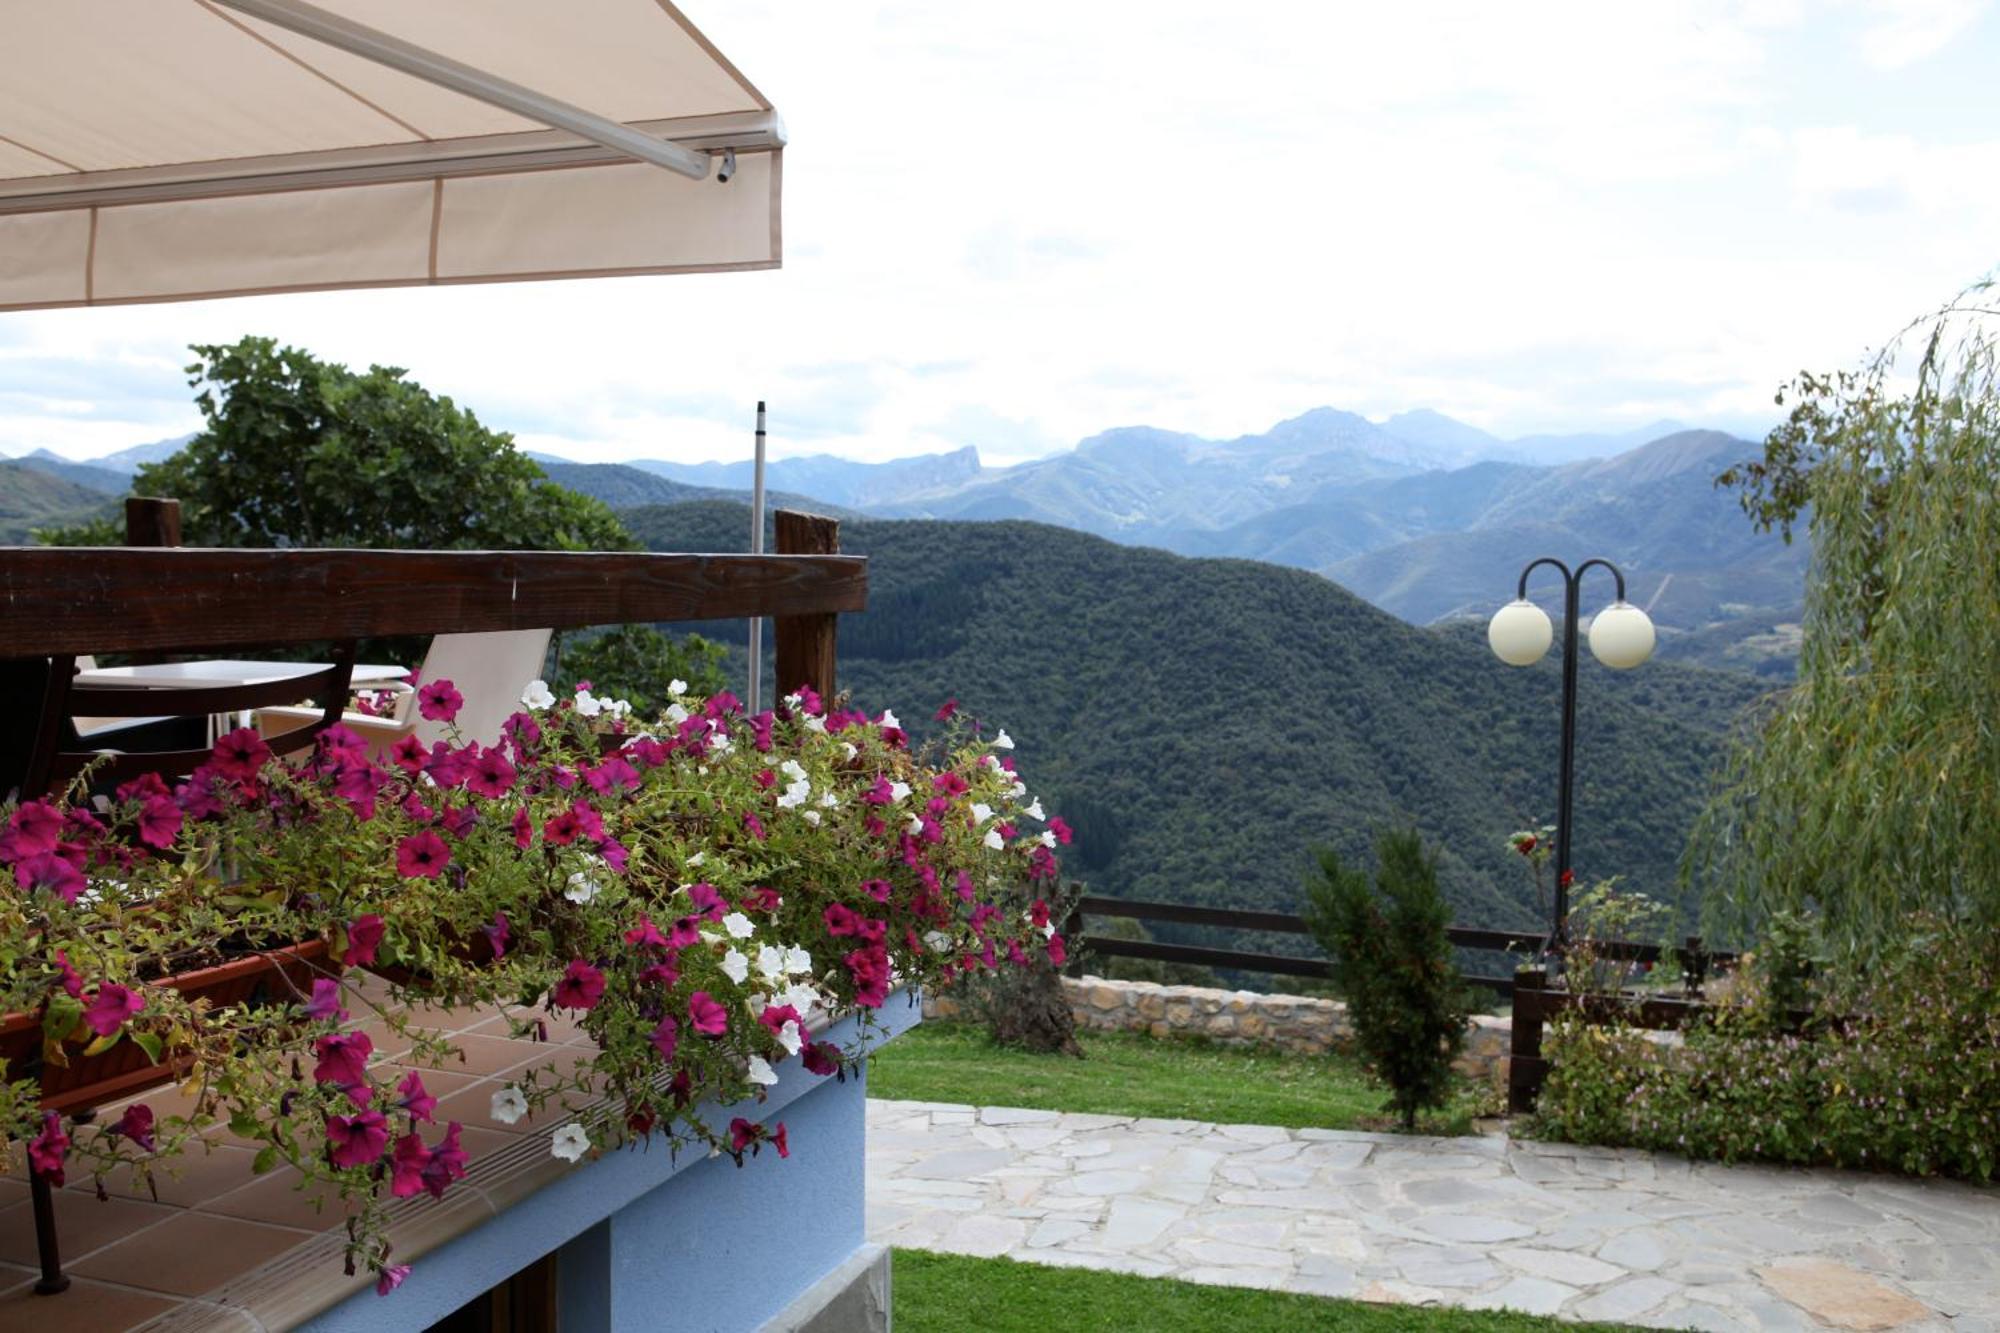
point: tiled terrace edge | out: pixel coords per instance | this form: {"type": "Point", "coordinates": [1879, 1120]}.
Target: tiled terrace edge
{"type": "Point", "coordinates": [638, 1231]}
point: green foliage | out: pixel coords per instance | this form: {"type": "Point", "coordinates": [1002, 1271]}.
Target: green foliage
{"type": "Point", "coordinates": [1141, 969]}
{"type": "Point", "coordinates": [1911, 1084]}
{"type": "Point", "coordinates": [301, 452]}
{"type": "Point", "coordinates": [1873, 787]}
{"type": "Point", "coordinates": [30, 499]}
{"type": "Point", "coordinates": [1201, 722]}
{"type": "Point", "coordinates": [637, 663]}
{"type": "Point", "coordinates": [1605, 915]}
{"type": "Point", "coordinates": [1393, 965]}
{"type": "Point", "coordinates": [1175, 1078]}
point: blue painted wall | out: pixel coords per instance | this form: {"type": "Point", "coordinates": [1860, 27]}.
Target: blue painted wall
{"type": "Point", "coordinates": [651, 1244]}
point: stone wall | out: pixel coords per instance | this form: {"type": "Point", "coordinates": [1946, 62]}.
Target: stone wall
{"type": "Point", "coordinates": [1295, 1023]}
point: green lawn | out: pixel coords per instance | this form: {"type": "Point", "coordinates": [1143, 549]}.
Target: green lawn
{"type": "Point", "coordinates": [1128, 1074]}
{"type": "Point", "coordinates": [950, 1293]}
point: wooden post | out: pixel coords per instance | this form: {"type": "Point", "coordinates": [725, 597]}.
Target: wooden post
{"type": "Point", "coordinates": [1694, 966]}
{"type": "Point", "coordinates": [152, 522]}
{"type": "Point", "coordinates": [1525, 1066]}
{"type": "Point", "coordinates": [805, 644]}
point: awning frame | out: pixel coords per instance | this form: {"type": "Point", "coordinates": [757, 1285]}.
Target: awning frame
{"type": "Point", "coordinates": [418, 62]}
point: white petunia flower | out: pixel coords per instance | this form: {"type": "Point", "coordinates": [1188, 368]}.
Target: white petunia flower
{"type": "Point", "coordinates": [828, 800]}
{"type": "Point", "coordinates": [735, 966]}
{"type": "Point", "coordinates": [676, 688]}
{"type": "Point", "coordinates": [915, 826]}
{"type": "Point", "coordinates": [720, 743]}
{"type": "Point", "coordinates": [790, 1037]}
{"type": "Point", "coordinates": [889, 719]}
{"type": "Point", "coordinates": [801, 995]}
{"type": "Point", "coordinates": [792, 769]}
{"type": "Point", "coordinates": [537, 696]}
{"type": "Point", "coordinates": [582, 888]}
{"type": "Point", "coordinates": [771, 962]}
{"type": "Point", "coordinates": [848, 750]}
{"type": "Point", "coordinates": [795, 795]}
{"type": "Point", "coordinates": [798, 960]}
{"type": "Point", "coordinates": [676, 714]}
{"type": "Point", "coordinates": [1017, 791]}
{"type": "Point", "coordinates": [1049, 931]}
{"type": "Point", "coordinates": [814, 722]}
{"type": "Point", "coordinates": [1035, 811]}
{"type": "Point", "coordinates": [1003, 741]}
{"type": "Point", "coordinates": [1049, 840]}
{"type": "Point", "coordinates": [988, 761]}
{"type": "Point", "coordinates": [981, 812]}
{"type": "Point", "coordinates": [993, 839]}
{"type": "Point", "coordinates": [760, 1071]}
{"type": "Point", "coordinates": [587, 704]}
{"type": "Point", "coordinates": [812, 817]}
{"type": "Point", "coordinates": [570, 1142]}
{"type": "Point", "coordinates": [696, 860]}
{"type": "Point", "coordinates": [898, 790]}
{"type": "Point", "coordinates": [738, 925]}
{"type": "Point", "coordinates": [509, 1105]}
{"type": "Point", "coordinates": [795, 702]}
{"type": "Point", "coordinates": [936, 941]}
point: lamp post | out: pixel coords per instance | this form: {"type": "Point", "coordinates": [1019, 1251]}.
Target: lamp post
{"type": "Point", "coordinates": [1621, 637]}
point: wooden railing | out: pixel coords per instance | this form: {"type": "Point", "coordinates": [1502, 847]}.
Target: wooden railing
{"type": "Point", "coordinates": [69, 600]}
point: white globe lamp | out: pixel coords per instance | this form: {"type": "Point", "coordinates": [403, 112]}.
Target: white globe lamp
{"type": "Point", "coordinates": [1621, 636]}
{"type": "Point", "coordinates": [1520, 633]}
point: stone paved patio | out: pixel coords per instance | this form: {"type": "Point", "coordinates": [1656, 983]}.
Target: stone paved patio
{"type": "Point", "coordinates": [1586, 1233]}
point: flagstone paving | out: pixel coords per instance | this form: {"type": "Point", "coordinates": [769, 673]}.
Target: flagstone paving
{"type": "Point", "coordinates": [1481, 1222]}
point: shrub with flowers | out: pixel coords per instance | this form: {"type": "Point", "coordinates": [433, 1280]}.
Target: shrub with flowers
{"type": "Point", "coordinates": [701, 896]}
{"type": "Point", "coordinates": [1898, 1069]}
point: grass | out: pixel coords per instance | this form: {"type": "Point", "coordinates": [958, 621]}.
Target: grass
{"type": "Point", "coordinates": [1129, 1074]}
{"type": "Point", "coordinates": [950, 1293]}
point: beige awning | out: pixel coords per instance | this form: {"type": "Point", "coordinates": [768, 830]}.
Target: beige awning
{"type": "Point", "coordinates": [155, 150]}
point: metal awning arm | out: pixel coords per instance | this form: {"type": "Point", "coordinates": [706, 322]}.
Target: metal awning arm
{"type": "Point", "coordinates": [418, 62]}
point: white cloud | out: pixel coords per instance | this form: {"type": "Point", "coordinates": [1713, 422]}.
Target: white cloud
{"type": "Point", "coordinates": [1019, 230]}
{"type": "Point", "coordinates": [1906, 31]}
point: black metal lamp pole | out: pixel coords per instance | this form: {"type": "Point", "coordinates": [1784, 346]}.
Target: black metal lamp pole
{"type": "Point", "coordinates": [1565, 795]}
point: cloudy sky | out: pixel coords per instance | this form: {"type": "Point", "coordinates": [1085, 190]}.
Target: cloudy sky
{"type": "Point", "coordinates": [1014, 225]}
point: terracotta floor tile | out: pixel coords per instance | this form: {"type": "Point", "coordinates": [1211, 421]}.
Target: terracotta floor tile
{"type": "Point", "coordinates": [83, 1224]}
{"type": "Point", "coordinates": [495, 1055]}
{"type": "Point", "coordinates": [87, 1307]}
{"type": "Point", "coordinates": [184, 1180]}
{"type": "Point", "coordinates": [190, 1254]}
{"type": "Point", "coordinates": [277, 1199]}
{"type": "Point", "coordinates": [437, 1082]}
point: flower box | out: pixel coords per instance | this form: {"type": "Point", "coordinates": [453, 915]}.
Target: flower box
{"type": "Point", "coordinates": [87, 1081]}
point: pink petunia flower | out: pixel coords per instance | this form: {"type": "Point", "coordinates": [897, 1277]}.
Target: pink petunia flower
{"type": "Point", "coordinates": [946, 710]}
{"type": "Point", "coordinates": [579, 987]}
{"type": "Point", "coordinates": [439, 702]}
{"type": "Point", "coordinates": [364, 937]}
{"type": "Point", "coordinates": [497, 934]}
{"type": "Point", "coordinates": [561, 829]}
{"type": "Point", "coordinates": [159, 822]}
{"type": "Point", "coordinates": [409, 753]}
{"type": "Point", "coordinates": [412, 1096]}
{"type": "Point", "coordinates": [66, 976]}
{"type": "Point", "coordinates": [447, 1162]}
{"type": "Point", "coordinates": [492, 775]}
{"type": "Point", "coordinates": [137, 1125]}
{"type": "Point", "coordinates": [778, 1140]}
{"type": "Point", "coordinates": [240, 755]}
{"type": "Point", "coordinates": [390, 1277]}
{"type": "Point", "coordinates": [325, 1006]}
{"type": "Point", "coordinates": [343, 1062]}
{"type": "Point", "coordinates": [48, 1150]}
{"type": "Point", "coordinates": [841, 919]}
{"type": "Point", "coordinates": [666, 1038]}
{"type": "Point", "coordinates": [708, 1018]}
{"type": "Point", "coordinates": [422, 856]}
{"type": "Point", "coordinates": [646, 935]}
{"type": "Point", "coordinates": [112, 1007]}
{"type": "Point", "coordinates": [822, 1058]}
{"type": "Point", "coordinates": [406, 1168]}
{"type": "Point", "coordinates": [47, 870]}
{"type": "Point", "coordinates": [357, 1140]}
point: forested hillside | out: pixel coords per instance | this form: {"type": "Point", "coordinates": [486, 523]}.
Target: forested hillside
{"type": "Point", "coordinates": [31, 498]}
{"type": "Point", "coordinates": [1201, 722]}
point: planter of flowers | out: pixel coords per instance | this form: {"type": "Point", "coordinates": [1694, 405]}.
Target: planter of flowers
{"type": "Point", "coordinates": [700, 894]}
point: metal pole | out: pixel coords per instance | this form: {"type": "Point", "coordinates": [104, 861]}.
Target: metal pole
{"type": "Point", "coordinates": [757, 548]}
{"type": "Point", "coordinates": [1566, 795]}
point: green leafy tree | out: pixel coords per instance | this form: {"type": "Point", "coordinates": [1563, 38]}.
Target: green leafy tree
{"type": "Point", "coordinates": [637, 663]}
{"type": "Point", "coordinates": [296, 451]}
{"type": "Point", "coordinates": [1392, 964]}
{"type": "Point", "coordinates": [1872, 788]}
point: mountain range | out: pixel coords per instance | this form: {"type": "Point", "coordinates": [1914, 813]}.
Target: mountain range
{"type": "Point", "coordinates": [1203, 722]}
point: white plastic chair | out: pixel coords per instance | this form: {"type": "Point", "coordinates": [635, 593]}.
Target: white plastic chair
{"type": "Point", "coordinates": [489, 670]}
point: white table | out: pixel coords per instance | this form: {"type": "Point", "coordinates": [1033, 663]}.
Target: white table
{"type": "Point", "coordinates": [225, 673]}
{"type": "Point", "coordinates": [218, 673]}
